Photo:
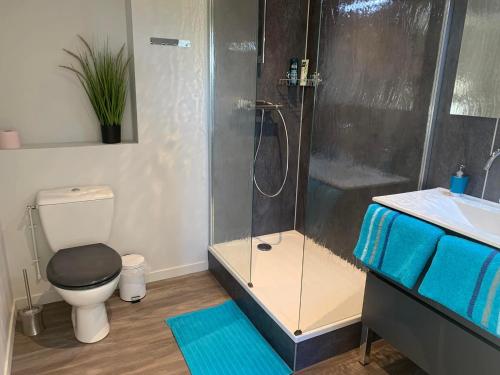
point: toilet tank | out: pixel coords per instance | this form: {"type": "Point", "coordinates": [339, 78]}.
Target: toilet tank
{"type": "Point", "coordinates": [76, 216]}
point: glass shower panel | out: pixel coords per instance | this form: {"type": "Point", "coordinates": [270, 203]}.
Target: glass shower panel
{"type": "Point", "coordinates": [377, 60]}
{"type": "Point", "coordinates": [234, 73]}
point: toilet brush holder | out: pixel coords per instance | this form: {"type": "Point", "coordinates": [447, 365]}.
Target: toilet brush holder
{"type": "Point", "coordinates": [32, 320]}
{"type": "Point", "coordinates": [31, 316]}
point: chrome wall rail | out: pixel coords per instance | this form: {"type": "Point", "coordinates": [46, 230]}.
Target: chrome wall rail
{"type": "Point", "coordinates": [36, 258]}
{"type": "Point", "coordinates": [181, 43]}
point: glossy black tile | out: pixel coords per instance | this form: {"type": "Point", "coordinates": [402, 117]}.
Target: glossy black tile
{"type": "Point", "coordinates": [326, 346]}
{"type": "Point", "coordinates": [286, 24]}
{"type": "Point", "coordinates": [370, 111]}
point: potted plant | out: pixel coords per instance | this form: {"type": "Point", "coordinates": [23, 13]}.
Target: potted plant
{"type": "Point", "coordinates": [103, 75]}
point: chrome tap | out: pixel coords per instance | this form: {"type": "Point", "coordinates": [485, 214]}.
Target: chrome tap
{"type": "Point", "coordinates": [492, 158]}
{"type": "Point", "coordinates": [487, 167]}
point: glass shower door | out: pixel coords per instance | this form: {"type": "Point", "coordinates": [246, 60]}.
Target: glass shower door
{"type": "Point", "coordinates": [233, 71]}
{"type": "Point", "coordinates": [377, 61]}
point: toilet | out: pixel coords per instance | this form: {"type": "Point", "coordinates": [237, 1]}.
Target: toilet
{"type": "Point", "coordinates": [84, 271]}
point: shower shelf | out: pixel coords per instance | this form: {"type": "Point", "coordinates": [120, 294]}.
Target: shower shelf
{"type": "Point", "coordinates": [314, 81]}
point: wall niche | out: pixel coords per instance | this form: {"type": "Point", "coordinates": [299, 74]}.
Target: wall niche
{"type": "Point", "coordinates": [43, 102]}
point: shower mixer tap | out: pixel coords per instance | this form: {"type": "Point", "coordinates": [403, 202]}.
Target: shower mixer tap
{"type": "Point", "coordinates": [250, 105]}
{"type": "Point", "coordinates": [264, 105]}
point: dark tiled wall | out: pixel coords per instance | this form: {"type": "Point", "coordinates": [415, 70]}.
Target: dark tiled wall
{"type": "Point", "coordinates": [370, 112]}
{"type": "Point", "coordinates": [456, 138]}
{"type": "Point", "coordinates": [286, 24]}
{"type": "Point", "coordinates": [461, 139]}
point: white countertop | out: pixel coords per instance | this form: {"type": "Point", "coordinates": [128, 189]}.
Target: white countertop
{"type": "Point", "coordinates": [469, 216]}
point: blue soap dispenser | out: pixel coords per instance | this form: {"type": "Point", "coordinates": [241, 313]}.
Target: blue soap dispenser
{"type": "Point", "coordinates": [459, 181]}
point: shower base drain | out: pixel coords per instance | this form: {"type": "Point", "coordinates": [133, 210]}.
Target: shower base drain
{"type": "Point", "coordinates": [264, 247]}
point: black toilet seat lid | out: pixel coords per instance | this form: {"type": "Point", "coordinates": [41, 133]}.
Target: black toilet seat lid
{"type": "Point", "coordinates": [84, 267]}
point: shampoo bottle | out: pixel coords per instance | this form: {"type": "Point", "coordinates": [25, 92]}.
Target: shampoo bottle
{"type": "Point", "coordinates": [304, 72]}
{"type": "Point", "coordinates": [293, 73]}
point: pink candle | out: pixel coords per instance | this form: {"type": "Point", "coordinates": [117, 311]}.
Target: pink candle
{"type": "Point", "coordinates": [9, 139]}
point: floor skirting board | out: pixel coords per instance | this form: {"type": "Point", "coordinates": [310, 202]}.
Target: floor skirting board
{"type": "Point", "coordinates": [168, 273]}
{"type": "Point", "coordinates": [10, 341]}
{"type": "Point", "coordinates": [44, 298]}
{"type": "Point", "coordinates": [51, 295]}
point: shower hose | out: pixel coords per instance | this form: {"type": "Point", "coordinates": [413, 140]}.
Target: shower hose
{"type": "Point", "coordinates": [282, 186]}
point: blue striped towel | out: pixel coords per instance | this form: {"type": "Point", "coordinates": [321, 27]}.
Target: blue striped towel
{"type": "Point", "coordinates": [465, 277]}
{"type": "Point", "coordinates": [396, 245]}
{"type": "Point", "coordinates": [374, 235]}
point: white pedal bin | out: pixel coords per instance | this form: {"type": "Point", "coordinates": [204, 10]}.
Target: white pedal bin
{"type": "Point", "coordinates": [132, 280]}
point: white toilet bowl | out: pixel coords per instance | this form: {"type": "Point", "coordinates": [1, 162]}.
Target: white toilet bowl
{"type": "Point", "coordinates": [84, 271]}
{"type": "Point", "coordinates": [89, 316]}
{"type": "Point", "coordinates": [85, 277]}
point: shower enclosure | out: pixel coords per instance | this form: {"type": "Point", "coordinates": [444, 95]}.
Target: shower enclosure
{"type": "Point", "coordinates": [357, 129]}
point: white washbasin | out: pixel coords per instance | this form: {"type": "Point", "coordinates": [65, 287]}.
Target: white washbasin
{"type": "Point", "coordinates": [485, 217]}
{"type": "Point", "coordinates": [472, 217]}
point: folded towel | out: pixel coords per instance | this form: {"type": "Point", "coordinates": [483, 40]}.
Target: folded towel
{"type": "Point", "coordinates": [411, 244]}
{"type": "Point", "coordinates": [374, 234]}
{"type": "Point", "coordinates": [396, 245]}
{"type": "Point", "coordinates": [465, 277]}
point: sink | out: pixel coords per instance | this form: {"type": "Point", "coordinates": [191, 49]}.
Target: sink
{"type": "Point", "coordinates": [484, 217]}
{"type": "Point", "coordinates": [472, 217]}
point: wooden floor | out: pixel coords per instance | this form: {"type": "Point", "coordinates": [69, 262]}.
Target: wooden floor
{"type": "Point", "coordinates": [141, 343]}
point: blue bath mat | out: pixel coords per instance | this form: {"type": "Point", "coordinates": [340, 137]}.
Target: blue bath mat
{"type": "Point", "coordinates": [221, 340]}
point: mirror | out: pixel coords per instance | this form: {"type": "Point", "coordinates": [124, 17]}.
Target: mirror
{"type": "Point", "coordinates": [477, 85]}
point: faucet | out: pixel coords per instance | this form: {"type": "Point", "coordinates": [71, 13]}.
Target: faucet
{"type": "Point", "coordinates": [487, 167]}
{"type": "Point", "coordinates": [492, 158]}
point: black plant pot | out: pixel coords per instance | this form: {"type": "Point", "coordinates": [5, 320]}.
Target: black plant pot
{"type": "Point", "coordinates": [111, 134]}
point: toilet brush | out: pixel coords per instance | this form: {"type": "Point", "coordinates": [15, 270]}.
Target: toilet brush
{"type": "Point", "coordinates": [31, 316]}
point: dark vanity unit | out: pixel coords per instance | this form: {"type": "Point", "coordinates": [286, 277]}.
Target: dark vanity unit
{"type": "Point", "coordinates": [435, 338]}
{"type": "Point", "coordinates": [427, 331]}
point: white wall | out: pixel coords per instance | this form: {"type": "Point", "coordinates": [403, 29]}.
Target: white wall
{"type": "Point", "coordinates": [6, 312]}
{"type": "Point", "coordinates": [161, 184]}
{"type": "Point", "coordinates": [45, 103]}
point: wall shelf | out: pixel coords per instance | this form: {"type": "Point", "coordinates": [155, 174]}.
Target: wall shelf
{"type": "Point", "coordinates": [314, 81]}
{"type": "Point", "coordinates": [41, 146]}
